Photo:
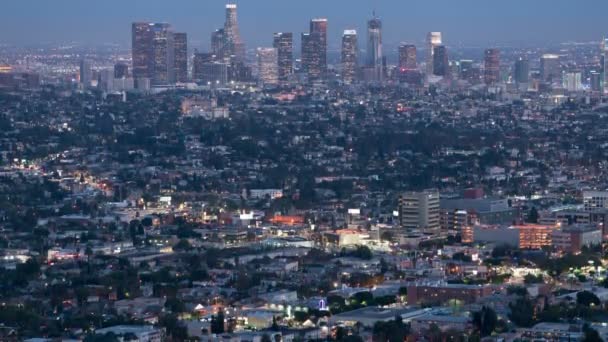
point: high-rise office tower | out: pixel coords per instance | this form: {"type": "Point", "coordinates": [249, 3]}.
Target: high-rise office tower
{"type": "Point", "coordinates": [420, 211]}
{"type": "Point", "coordinates": [162, 54]}
{"type": "Point", "coordinates": [121, 70]}
{"type": "Point", "coordinates": [522, 70]}
{"type": "Point", "coordinates": [180, 45]}
{"type": "Point", "coordinates": [314, 49]}
{"type": "Point", "coordinates": [349, 56]}
{"type": "Point", "coordinates": [573, 81]}
{"type": "Point", "coordinates": [307, 45]}
{"type": "Point", "coordinates": [106, 80]}
{"type": "Point", "coordinates": [207, 70]}
{"type": "Point", "coordinates": [153, 53]}
{"type": "Point", "coordinates": [86, 73]}
{"type": "Point", "coordinates": [466, 66]}
{"type": "Point", "coordinates": [283, 42]}
{"type": "Point", "coordinates": [604, 64]}
{"type": "Point", "coordinates": [234, 44]}
{"type": "Point", "coordinates": [407, 57]}
{"type": "Point", "coordinates": [268, 65]}
{"type": "Point", "coordinates": [141, 50]}
{"type": "Point", "coordinates": [441, 63]}
{"type": "Point", "coordinates": [374, 43]}
{"type": "Point", "coordinates": [595, 81]}
{"type": "Point", "coordinates": [433, 39]}
{"type": "Point", "coordinates": [550, 68]}
{"type": "Point", "coordinates": [218, 42]}
{"type": "Point", "coordinates": [198, 65]}
{"type": "Point", "coordinates": [491, 74]}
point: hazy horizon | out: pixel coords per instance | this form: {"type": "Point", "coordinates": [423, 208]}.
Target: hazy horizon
{"type": "Point", "coordinates": [475, 22]}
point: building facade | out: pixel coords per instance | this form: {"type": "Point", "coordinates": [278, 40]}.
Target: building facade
{"type": "Point", "coordinates": [349, 56]}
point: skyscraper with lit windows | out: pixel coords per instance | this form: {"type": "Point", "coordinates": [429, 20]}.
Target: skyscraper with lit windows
{"type": "Point", "coordinates": [374, 61]}
{"type": "Point", "coordinates": [283, 42]}
{"type": "Point", "coordinates": [162, 54]}
{"type": "Point", "coordinates": [233, 43]}
{"type": "Point", "coordinates": [407, 57]}
{"type": "Point", "coordinates": [153, 53]}
{"type": "Point", "coordinates": [180, 46]}
{"type": "Point", "coordinates": [550, 68]}
{"type": "Point", "coordinates": [268, 65]}
{"type": "Point", "coordinates": [522, 71]}
{"type": "Point", "coordinates": [491, 64]}
{"type": "Point", "coordinates": [433, 39]}
{"type": "Point", "coordinates": [314, 49]}
{"type": "Point", "coordinates": [349, 56]}
{"type": "Point", "coordinates": [441, 64]}
{"type": "Point", "coordinates": [141, 49]}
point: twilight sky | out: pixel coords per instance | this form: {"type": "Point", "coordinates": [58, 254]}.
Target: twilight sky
{"type": "Point", "coordinates": [482, 22]}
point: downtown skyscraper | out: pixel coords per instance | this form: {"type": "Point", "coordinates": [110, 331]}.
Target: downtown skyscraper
{"type": "Point", "coordinates": [374, 49]}
{"type": "Point", "coordinates": [521, 73]}
{"type": "Point", "coordinates": [314, 49]}
{"type": "Point", "coordinates": [283, 42]}
{"type": "Point", "coordinates": [163, 54]}
{"type": "Point", "coordinates": [349, 56]}
{"type": "Point", "coordinates": [491, 74]}
{"type": "Point", "coordinates": [433, 39]}
{"type": "Point", "coordinates": [180, 46]}
{"type": "Point", "coordinates": [233, 44]}
{"type": "Point", "coordinates": [441, 63]}
{"type": "Point", "coordinates": [603, 71]}
{"type": "Point", "coordinates": [153, 53]}
{"type": "Point", "coordinates": [141, 50]}
{"type": "Point", "coordinates": [268, 65]}
{"type": "Point", "coordinates": [407, 57]}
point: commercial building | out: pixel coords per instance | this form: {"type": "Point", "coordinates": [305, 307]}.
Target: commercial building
{"type": "Point", "coordinates": [491, 73]}
{"type": "Point", "coordinates": [141, 49]}
{"type": "Point", "coordinates": [528, 236]}
{"type": "Point", "coordinates": [121, 70]}
{"type": "Point", "coordinates": [153, 53]}
{"type": "Point", "coordinates": [441, 64]}
{"type": "Point", "coordinates": [595, 200]}
{"type": "Point", "coordinates": [233, 44]}
{"type": "Point", "coordinates": [314, 49]}
{"type": "Point", "coordinates": [573, 81]}
{"type": "Point", "coordinates": [420, 211]}
{"type": "Point", "coordinates": [440, 293]}
{"type": "Point", "coordinates": [198, 65]}
{"type": "Point", "coordinates": [458, 213]}
{"type": "Point", "coordinates": [374, 49]}
{"type": "Point", "coordinates": [283, 42]}
{"type": "Point", "coordinates": [163, 54]}
{"type": "Point", "coordinates": [207, 71]}
{"type": "Point", "coordinates": [180, 45]}
{"type": "Point", "coordinates": [349, 56]}
{"type": "Point", "coordinates": [86, 73]}
{"type": "Point", "coordinates": [521, 74]}
{"type": "Point", "coordinates": [407, 57]}
{"type": "Point", "coordinates": [218, 44]}
{"type": "Point", "coordinates": [550, 68]}
{"type": "Point", "coordinates": [268, 66]}
{"type": "Point", "coordinates": [572, 239]}
{"type": "Point", "coordinates": [433, 40]}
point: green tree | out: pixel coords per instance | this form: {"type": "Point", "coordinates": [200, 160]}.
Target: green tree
{"type": "Point", "coordinates": [591, 335]}
{"type": "Point", "coordinates": [532, 215]}
{"type": "Point", "coordinates": [586, 298]}
{"type": "Point", "coordinates": [485, 321]}
{"type": "Point", "coordinates": [522, 312]}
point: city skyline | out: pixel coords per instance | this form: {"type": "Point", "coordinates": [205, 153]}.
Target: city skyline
{"type": "Point", "coordinates": [489, 24]}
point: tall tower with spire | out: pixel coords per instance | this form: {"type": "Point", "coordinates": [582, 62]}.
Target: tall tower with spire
{"type": "Point", "coordinates": [374, 59]}
{"type": "Point", "coordinates": [234, 44]}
